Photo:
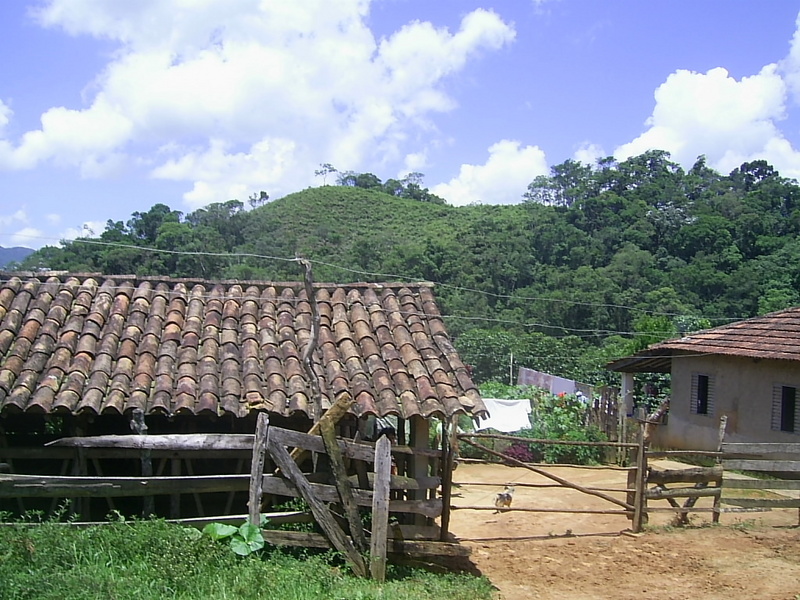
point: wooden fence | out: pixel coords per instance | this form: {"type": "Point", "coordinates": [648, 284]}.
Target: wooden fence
{"type": "Point", "coordinates": [375, 490]}
{"type": "Point", "coordinates": [777, 469]}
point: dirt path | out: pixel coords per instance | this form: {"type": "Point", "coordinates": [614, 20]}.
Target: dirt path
{"type": "Point", "coordinates": [574, 556]}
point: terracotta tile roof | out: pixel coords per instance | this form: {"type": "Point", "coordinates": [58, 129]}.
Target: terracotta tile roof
{"type": "Point", "coordinates": [111, 344]}
{"type": "Point", "coordinates": [772, 336]}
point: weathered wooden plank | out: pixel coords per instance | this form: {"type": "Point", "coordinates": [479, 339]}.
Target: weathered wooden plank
{"type": "Point", "coordinates": [343, 487]}
{"type": "Point", "coordinates": [67, 453]}
{"type": "Point", "coordinates": [399, 482]}
{"type": "Point", "coordinates": [761, 448]}
{"type": "Point", "coordinates": [693, 475]}
{"type": "Point", "coordinates": [380, 509]}
{"type": "Point", "coordinates": [681, 453]}
{"type": "Point", "coordinates": [321, 513]}
{"type": "Point", "coordinates": [357, 450]}
{"type": "Point", "coordinates": [763, 502]}
{"type": "Point", "coordinates": [659, 493]}
{"type": "Point", "coordinates": [783, 466]}
{"type": "Point", "coordinates": [177, 442]}
{"type": "Point", "coordinates": [395, 546]}
{"type": "Point", "coordinates": [762, 484]}
{"type": "Point", "coordinates": [32, 486]}
{"type": "Point", "coordinates": [257, 468]}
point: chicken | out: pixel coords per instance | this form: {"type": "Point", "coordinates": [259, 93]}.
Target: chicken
{"type": "Point", "coordinates": [504, 498]}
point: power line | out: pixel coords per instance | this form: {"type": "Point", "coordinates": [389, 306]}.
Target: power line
{"type": "Point", "coordinates": [385, 276]}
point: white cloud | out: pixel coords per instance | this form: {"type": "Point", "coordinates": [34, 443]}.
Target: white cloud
{"type": "Point", "coordinates": [588, 153]}
{"type": "Point", "coordinates": [29, 237]}
{"type": "Point", "coordinates": [501, 180]}
{"type": "Point", "coordinates": [5, 115]}
{"type": "Point", "coordinates": [415, 161]}
{"type": "Point", "coordinates": [229, 97]}
{"type": "Point", "coordinates": [18, 216]}
{"type": "Point", "coordinates": [729, 121]}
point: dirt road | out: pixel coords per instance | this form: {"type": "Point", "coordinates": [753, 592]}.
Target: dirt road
{"type": "Point", "coordinates": [575, 556]}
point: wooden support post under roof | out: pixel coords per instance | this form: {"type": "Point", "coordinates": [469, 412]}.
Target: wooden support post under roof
{"type": "Point", "coordinates": [418, 461]}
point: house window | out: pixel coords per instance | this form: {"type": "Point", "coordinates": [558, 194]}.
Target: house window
{"type": "Point", "coordinates": [702, 402]}
{"type": "Point", "coordinates": [785, 409]}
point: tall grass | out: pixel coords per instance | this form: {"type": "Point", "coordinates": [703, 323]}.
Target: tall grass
{"type": "Point", "coordinates": [157, 560]}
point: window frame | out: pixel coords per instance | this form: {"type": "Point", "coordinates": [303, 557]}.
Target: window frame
{"type": "Point", "coordinates": [702, 394]}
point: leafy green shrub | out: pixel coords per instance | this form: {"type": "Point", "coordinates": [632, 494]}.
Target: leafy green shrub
{"type": "Point", "coordinates": [563, 417]}
{"type": "Point", "coordinates": [244, 540]}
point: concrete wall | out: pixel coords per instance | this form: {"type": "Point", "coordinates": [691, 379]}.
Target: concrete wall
{"type": "Point", "coordinates": [742, 390]}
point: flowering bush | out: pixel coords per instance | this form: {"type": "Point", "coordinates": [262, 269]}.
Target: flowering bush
{"type": "Point", "coordinates": [520, 452]}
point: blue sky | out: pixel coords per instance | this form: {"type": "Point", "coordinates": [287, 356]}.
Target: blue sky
{"type": "Point", "coordinates": [108, 107]}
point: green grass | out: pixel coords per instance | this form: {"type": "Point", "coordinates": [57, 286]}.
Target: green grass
{"type": "Point", "coordinates": [154, 559]}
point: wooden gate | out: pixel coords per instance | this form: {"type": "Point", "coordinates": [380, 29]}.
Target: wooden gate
{"type": "Point", "coordinates": [631, 506]}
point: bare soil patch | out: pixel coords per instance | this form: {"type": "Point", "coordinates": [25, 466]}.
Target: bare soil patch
{"type": "Point", "coordinates": [583, 556]}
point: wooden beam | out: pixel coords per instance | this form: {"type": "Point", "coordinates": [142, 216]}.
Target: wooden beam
{"type": "Point", "coordinates": [693, 475]}
{"type": "Point", "coordinates": [321, 513]}
{"type": "Point", "coordinates": [783, 466]}
{"type": "Point", "coordinates": [380, 509]}
{"type": "Point", "coordinates": [256, 487]}
{"type": "Point", "coordinates": [54, 486]}
{"type": "Point", "coordinates": [659, 493]}
{"type": "Point", "coordinates": [343, 487]}
{"type": "Point", "coordinates": [178, 442]}
{"type": "Point", "coordinates": [761, 448]}
{"type": "Point", "coordinates": [763, 502]}
{"type": "Point", "coordinates": [762, 484]}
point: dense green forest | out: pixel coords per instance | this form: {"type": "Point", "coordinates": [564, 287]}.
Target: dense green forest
{"type": "Point", "coordinates": [596, 262]}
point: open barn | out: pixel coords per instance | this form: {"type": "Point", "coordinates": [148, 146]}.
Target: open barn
{"type": "Point", "coordinates": [87, 360]}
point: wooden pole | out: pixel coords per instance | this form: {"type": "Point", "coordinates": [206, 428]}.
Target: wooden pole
{"type": "Point", "coordinates": [328, 431]}
{"type": "Point", "coordinates": [257, 469]}
{"type": "Point", "coordinates": [640, 500]}
{"type": "Point", "coordinates": [723, 424]}
{"type": "Point", "coordinates": [140, 427]}
{"type": "Point", "coordinates": [380, 509]}
{"type": "Point", "coordinates": [419, 462]}
{"type": "Point", "coordinates": [308, 353]}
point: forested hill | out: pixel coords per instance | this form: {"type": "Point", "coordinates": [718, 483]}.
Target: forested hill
{"type": "Point", "coordinates": [592, 255]}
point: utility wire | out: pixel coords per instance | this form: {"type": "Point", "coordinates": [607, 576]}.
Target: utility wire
{"type": "Point", "coordinates": [388, 276]}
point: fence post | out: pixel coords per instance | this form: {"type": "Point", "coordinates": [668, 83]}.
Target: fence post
{"type": "Point", "coordinates": [257, 469]}
{"type": "Point", "coordinates": [380, 509]}
{"type": "Point", "coordinates": [640, 500]}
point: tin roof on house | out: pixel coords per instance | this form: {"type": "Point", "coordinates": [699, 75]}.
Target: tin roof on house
{"type": "Point", "coordinates": [111, 344]}
{"type": "Point", "coordinates": [773, 336]}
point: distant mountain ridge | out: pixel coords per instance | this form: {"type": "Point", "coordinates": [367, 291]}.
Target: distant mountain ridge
{"type": "Point", "coordinates": [15, 254]}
